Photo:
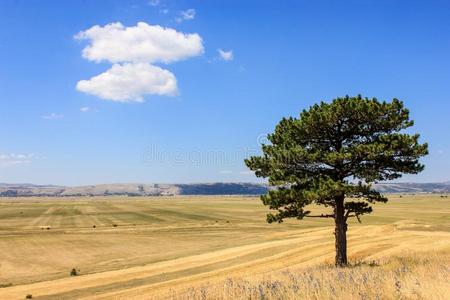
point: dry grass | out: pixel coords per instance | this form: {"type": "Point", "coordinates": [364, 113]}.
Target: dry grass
{"type": "Point", "coordinates": [184, 247]}
{"type": "Point", "coordinates": [412, 276]}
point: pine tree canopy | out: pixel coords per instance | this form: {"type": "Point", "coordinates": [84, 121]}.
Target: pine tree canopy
{"type": "Point", "coordinates": [336, 151]}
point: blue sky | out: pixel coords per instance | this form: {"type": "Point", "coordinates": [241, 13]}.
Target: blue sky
{"type": "Point", "coordinates": [278, 57]}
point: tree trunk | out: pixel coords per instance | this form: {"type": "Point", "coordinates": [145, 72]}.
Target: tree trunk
{"type": "Point", "coordinates": [340, 233]}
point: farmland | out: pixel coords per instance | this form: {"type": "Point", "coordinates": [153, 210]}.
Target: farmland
{"type": "Point", "coordinates": [132, 247]}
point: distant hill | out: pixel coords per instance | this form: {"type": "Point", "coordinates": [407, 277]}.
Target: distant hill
{"type": "Point", "coordinates": [407, 187]}
{"type": "Point", "coordinates": [21, 190]}
{"type": "Point", "coordinates": [24, 190]}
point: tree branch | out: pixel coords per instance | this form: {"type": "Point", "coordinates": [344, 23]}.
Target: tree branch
{"type": "Point", "coordinates": [347, 214]}
{"type": "Point", "coordinates": [351, 216]}
{"type": "Point", "coordinates": [321, 216]}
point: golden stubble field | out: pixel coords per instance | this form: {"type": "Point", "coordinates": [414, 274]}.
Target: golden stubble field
{"type": "Point", "coordinates": [211, 248]}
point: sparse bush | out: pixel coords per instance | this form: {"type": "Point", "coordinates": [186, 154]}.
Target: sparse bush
{"type": "Point", "coordinates": [7, 284]}
{"type": "Point", "coordinates": [74, 272]}
{"type": "Point", "coordinates": [29, 296]}
{"type": "Point", "coordinates": [115, 225]}
{"type": "Point", "coordinates": [93, 226]}
{"type": "Point", "coordinates": [373, 264]}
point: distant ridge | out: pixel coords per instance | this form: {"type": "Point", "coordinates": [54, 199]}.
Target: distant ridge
{"type": "Point", "coordinates": [24, 190]}
{"type": "Point", "coordinates": [29, 190]}
{"type": "Point", "coordinates": [409, 187]}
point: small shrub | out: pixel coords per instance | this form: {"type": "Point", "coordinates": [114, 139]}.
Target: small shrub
{"type": "Point", "coordinates": [114, 225]}
{"type": "Point", "coordinates": [93, 226]}
{"type": "Point", "coordinates": [74, 272]}
{"type": "Point", "coordinates": [29, 296]}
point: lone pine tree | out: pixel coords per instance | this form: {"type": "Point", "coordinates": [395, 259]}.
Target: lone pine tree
{"type": "Point", "coordinates": [331, 155]}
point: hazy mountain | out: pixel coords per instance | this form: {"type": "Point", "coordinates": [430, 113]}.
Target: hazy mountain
{"type": "Point", "coordinates": [407, 187]}
{"type": "Point", "coordinates": [12, 190]}
{"type": "Point", "coordinates": [133, 189]}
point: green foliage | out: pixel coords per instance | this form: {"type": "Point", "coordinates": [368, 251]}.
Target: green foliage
{"type": "Point", "coordinates": [334, 151]}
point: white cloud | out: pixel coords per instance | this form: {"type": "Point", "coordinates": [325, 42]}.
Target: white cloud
{"type": "Point", "coordinates": [130, 82]}
{"type": "Point", "coordinates": [226, 55]}
{"type": "Point", "coordinates": [133, 51]}
{"type": "Point", "coordinates": [186, 15]}
{"type": "Point", "coordinates": [153, 2]}
{"type": "Point", "coordinates": [141, 43]}
{"type": "Point", "coordinates": [164, 11]}
{"type": "Point", "coordinates": [11, 159]}
{"type": "Point", "coordinates": [53, 116]}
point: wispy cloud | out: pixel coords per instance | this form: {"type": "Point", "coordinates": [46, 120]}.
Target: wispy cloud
{"type": "Point", "coordinates": [226, 172]}
{"type": "Point", "coordinates": [226, 55]}
{"type": "Point", "coordinates": [12, 159]}
{"type": "Point", "coordinates": [186, 15]}
{"type": "Point", "coordinates": [153, 2]}
{"type": "Point", "coordinates": [87, 109]}
{"type": "Point", "coordinates": [53, 116]}
{"type": "Point", "coordinates": [246, 172]}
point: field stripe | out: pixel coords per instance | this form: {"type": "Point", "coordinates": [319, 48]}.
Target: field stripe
{"type": "Point", "coordinates": [43, 219]}
{"type": "Point", "coordinates": [312, 247]}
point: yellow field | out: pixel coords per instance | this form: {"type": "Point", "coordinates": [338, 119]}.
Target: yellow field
{"type": "Point", "coordinates": [194, 247]}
